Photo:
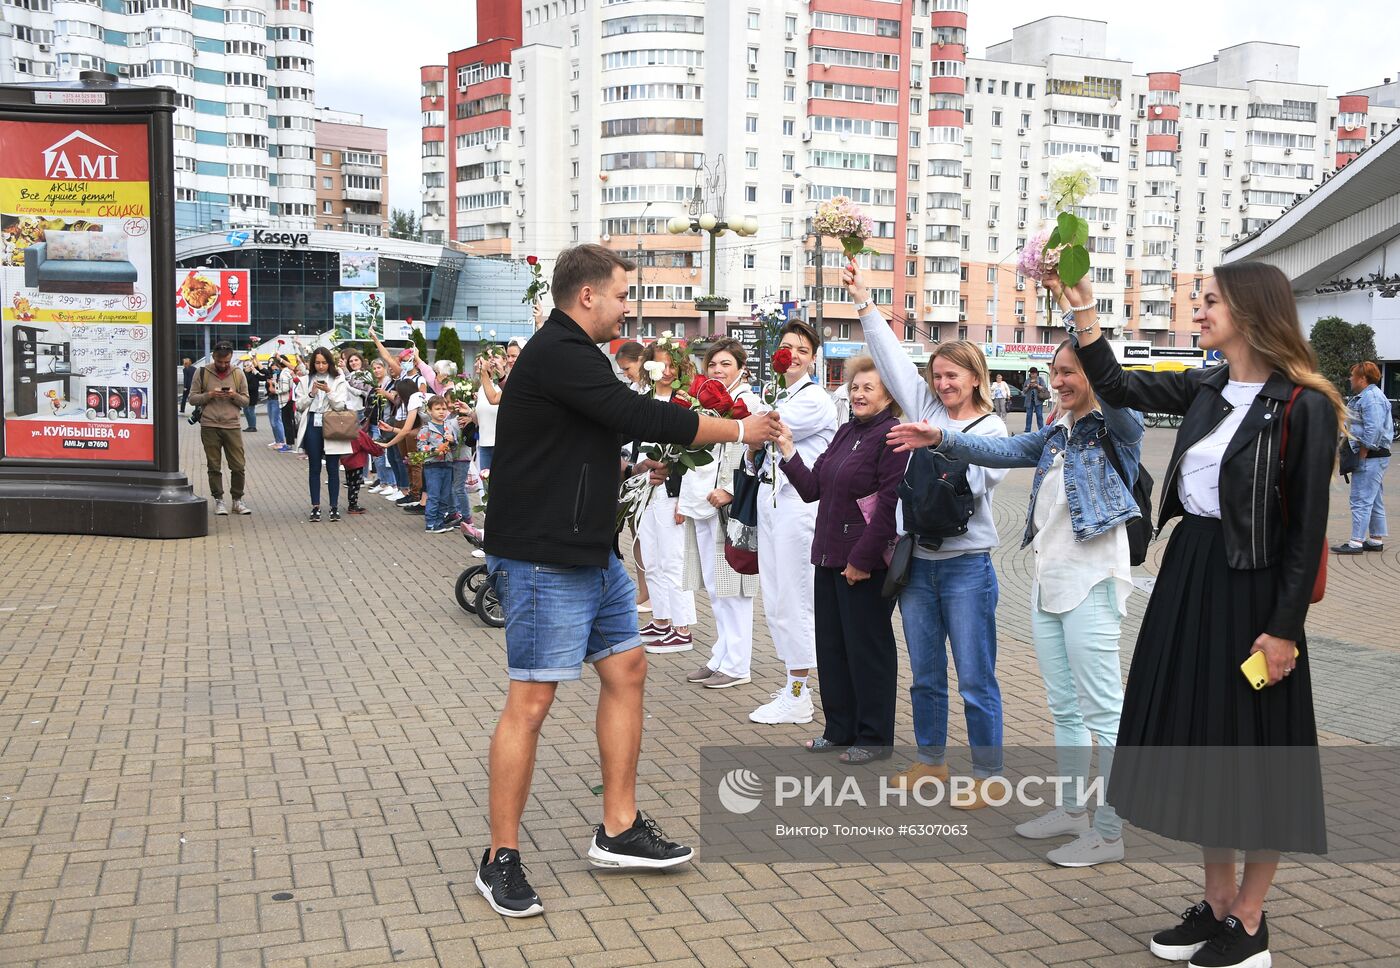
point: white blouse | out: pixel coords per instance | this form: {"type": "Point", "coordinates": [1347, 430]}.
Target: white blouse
{"type": "Point", "coordinates": [1198, 483]}
{"type": "Point", "coordinates": [1067, 570]}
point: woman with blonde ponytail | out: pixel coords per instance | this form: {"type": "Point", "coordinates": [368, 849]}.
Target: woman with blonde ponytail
{"type": "Point", "coordinates": [1205, 755]}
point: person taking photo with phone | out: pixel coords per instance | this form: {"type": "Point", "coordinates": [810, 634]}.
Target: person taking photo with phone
{"type": "Point", "coordinates": [323, 390]}
{"type": "Point", "coordinates": [1203, 756]}
{"type": "Point", "coordinates": [221, 390]}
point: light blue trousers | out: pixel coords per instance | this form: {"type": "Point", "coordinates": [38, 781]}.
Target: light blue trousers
{"type": "Point", "coordinates": [1078, 653]}
{"type": "Point", "coordinates": [1368, 499]}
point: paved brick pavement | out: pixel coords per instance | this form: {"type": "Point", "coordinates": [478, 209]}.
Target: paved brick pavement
{"type": "Point", "coordinates": [190, 730]}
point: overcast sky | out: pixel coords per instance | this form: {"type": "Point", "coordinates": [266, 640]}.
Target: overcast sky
{"type": "Point", "coordinates": [368, 61]}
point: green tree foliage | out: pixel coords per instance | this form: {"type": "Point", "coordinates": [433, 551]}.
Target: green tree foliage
{"type": "Point", "coordinates": [448, 347]}
{"type": "Point", "coordinates": [1339, 346]}
{"type": "Point", "coordinates": [403, 224]}
{"type": "Point", "coordinates": [420, 341]}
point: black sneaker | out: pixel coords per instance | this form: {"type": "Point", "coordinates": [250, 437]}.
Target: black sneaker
{"type": "Point", "coordinates": [640, 845]}
{"type": "Point", "coordinates": [1373, 545]}
{"type": "Point", "coordinates": [315, 516]}
{"type": "Point", "coordinates": [335, 514]}
{"type": "Point", "coordinates": [1233, 947]}
{"type": "Point", "coordinates": [502, 882]}
{"type": "Point", "coordinates": [415, 509]}
{"type": "Point", "coordinates": [406, 500]}
{"type": "Point", "coordinates": [1198, 925]}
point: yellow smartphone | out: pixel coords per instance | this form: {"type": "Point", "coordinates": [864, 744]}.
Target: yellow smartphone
{"type": "Point", "coordinates": [1256, 669]}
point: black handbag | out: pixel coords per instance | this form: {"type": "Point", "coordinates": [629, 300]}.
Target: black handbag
{"type": "Point", "coordinates": [901, 560]}
{"type": "Point", "coordinates": [1348, 460]}
{"type": "Point", "coordinates": [1140, 528]}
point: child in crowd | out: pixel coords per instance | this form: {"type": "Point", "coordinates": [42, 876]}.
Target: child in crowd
{"type": "Point", "coordinates": [437, 440]}
{"type": "Point", "coordinates": [362, 448]}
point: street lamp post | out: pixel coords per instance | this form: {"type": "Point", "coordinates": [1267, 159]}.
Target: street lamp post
{"type": "Point", "coordinates": [716, 225]}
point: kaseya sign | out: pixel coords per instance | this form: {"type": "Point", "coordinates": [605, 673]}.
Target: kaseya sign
{"type": "Point", "coordinates": [291, 240]}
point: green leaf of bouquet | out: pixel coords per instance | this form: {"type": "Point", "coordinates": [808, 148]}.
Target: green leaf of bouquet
{"type": "Point", "coordinates": [1053, 241]}
{"type": "Point", "coordinates": [1080, 235]}
{"type": "Point", "coordinates": [1065, 223]}
{"type": "Point", "coordinates": [1074, 264]}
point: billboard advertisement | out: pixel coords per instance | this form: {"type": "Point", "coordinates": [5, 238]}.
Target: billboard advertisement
{"type": "Point", "coordinates": [76, 341]}
{"type": "Point", "coordinates": [213, 296]}
{"type": "Point", "coordinates": [355, 311]}
{"type": "Point", "coordinates": [359, 270]}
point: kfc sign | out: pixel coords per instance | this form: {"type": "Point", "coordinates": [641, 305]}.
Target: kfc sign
{"type": "Point", "coordinates": [79, 156]}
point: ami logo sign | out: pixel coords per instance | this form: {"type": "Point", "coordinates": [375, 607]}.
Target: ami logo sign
{"type": "Point", "coordinates": [80, 156]}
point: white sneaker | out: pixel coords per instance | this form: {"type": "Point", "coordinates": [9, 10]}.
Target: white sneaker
{"type": "Point", "coordinates": [375, 488]}
{"type": "Point", "coordinates": [219, 508]}
{"type": "Point", "coordinates": [393, 494]}
{"type": "Point", "coordinates": [240, 508]}
{"type": "Point", "coordinates": [1057, 823]}
{"type": "Point", "coordinates": [1088, 850]}
{"type": "Point", "coordinates": [784, 709]}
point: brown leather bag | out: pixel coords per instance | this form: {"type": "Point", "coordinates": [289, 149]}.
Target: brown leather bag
{"type": "Point", "coordinates": [340, 424]}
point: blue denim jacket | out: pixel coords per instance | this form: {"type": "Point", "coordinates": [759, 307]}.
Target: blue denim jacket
{"type": "Point", "coordinates": [1098, 499]}
{"type": "Point", "coordinates": [1371, 425]}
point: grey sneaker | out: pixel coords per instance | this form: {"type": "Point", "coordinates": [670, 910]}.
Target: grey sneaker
{"type": "Point", "coordinates": [1057, 823]}
{"type": "Point", "coordinates": [220, 508]}
{"type": "Point", "coordinates": [1088, 850]}
{"type": "Point", "coordinates": [721, 681]}
{"type": "Point", "coordinates": [700, 674]}
{"type": "Point", "coordinates": [240, 508]}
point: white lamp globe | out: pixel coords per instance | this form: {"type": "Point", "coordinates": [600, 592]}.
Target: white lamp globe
{"type": "Point", "coordinates": [708, 222]}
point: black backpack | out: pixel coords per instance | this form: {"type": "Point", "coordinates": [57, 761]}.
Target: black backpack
{"type": "Point", "coordinates": [935, 495]}
{"type": "Point", "coordinates": [1140, 528]}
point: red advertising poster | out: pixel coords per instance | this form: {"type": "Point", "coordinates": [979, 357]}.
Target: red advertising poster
{"type": "Point", "coordinates": [76, 347]}
{"type": "Point", "coordinates": [212, 296]}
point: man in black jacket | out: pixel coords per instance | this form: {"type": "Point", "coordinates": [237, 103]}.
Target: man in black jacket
{"type": "Point", "coordinates": [549, 539]}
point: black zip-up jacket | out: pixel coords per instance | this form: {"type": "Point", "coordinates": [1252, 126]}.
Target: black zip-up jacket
{"type": "Point", "coordinates": [556, 468]}
{"type": "Point", "coordinates": [1256, 535]}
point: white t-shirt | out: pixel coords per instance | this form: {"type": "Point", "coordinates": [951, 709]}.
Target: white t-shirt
{"type": "Point", "coordinates": [1198, 484]}
{"type": "Point", "coordinates": [485, 420]}
{"type": "Point", "coordinates": [1067, 570]}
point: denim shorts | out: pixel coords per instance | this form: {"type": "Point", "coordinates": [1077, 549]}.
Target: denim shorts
{"type": "Point", "coordinates": [560, 616]}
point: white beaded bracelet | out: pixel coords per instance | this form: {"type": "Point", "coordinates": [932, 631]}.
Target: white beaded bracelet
{"type": "Point", "coordinates": [1080, 309]}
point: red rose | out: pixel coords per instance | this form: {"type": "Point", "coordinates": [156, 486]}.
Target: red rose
{"type": "Point", "coordinates": [782, 360]}
{"type": "Point", "coordinates": [532, 260]}
{"type": "Point", "coordinates": [714, 397]}
{"type": "Point", "coordinates": [739, 411]}
{"type": "Point", "coordinates": [696, 384]}
{"type": "Point", "coordinates": [681, 397]}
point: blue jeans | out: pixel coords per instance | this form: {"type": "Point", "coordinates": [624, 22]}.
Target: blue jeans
{"type": "Point", "coordinates": [437, 482]}
{"type": "Point", "coordinates": [1368, 499]}
{"type": "Point", "coordinates": [1078, 653]}
{"type": "Point", "coordinates": [560, 616]}
{"type": "Point", "coordinates": [1033, 412]}
{"type": "Point", "coordinates": [314, 443]}
{"type": "Point", "coordinates": [250, 414]}
{"type": "Point", "coordinates": [274, 417]}
{"type": "Point", "coordinates": [397, 467]}
{"type": "Point", "coordinates": [954, 602]}
{"type": "Point", "coordinates": [461, 499]}
{"type": "Point", "coordinates": [483, 457]}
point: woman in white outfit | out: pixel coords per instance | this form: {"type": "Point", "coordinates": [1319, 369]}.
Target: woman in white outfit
{"type": "Point", "coordinates": [704, 492]}
{"type": "Point", "coordinates": [661, 528]}
{"type": "Point", "coordinates": [785, 526]}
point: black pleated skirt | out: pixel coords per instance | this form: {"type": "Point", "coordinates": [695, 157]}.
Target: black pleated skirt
{"type": "Point", "coordinates": [1203, 757]}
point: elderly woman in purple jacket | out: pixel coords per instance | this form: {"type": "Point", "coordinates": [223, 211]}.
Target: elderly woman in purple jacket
{"type": "Point", "coordinates": [855, 481]}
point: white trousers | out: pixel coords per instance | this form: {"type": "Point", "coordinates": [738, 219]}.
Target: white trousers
{"type": "Point", "coordinates": [733, 649]}
{"type": "Point", "coordinates": [663, 551]}
{"type": "Point", "coordinates": [785, 574]}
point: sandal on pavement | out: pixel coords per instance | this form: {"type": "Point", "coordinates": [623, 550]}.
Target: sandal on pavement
{"type": "Point", "coordinates": [857, 755]}
{"type": "Point", "coordinates": [820, 745]}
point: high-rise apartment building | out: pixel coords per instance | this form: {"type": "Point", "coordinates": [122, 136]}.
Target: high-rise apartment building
{"type": "Point", "coordinates": [352, 174]}
{"type": "Point", "coordinates": [244, 76]}
{"type": "Point", "coordinates": [583, 121]}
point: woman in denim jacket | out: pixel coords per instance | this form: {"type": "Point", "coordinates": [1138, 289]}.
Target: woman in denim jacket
{"type": "Point", "coordinates": [1371, 428]}
{"type": "Point", "coordinates": [1075, 523]}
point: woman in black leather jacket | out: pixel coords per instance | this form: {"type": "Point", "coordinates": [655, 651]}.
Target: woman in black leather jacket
{"type": "Point", "coordinates": [1202, 756]}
